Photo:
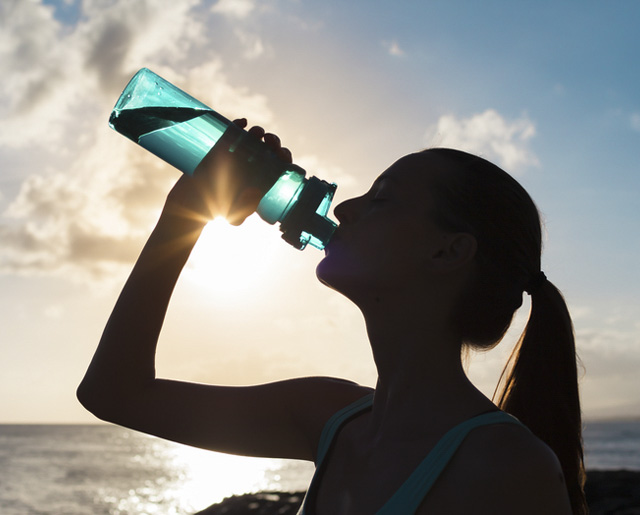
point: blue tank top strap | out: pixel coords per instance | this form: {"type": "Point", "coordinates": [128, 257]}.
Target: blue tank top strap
{"type": "Point", "coordinates": [410, 495]}
{"type": "Point", "coordinates": [336, 421]}
{"type": "Point", "coordinates": [333, 425]}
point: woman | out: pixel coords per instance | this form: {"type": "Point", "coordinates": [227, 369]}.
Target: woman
{"type": "Point", "coordinates": [436, 255]}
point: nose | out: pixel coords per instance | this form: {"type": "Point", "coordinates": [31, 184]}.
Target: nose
{"type": "Point", "coordinates": [345, 212]}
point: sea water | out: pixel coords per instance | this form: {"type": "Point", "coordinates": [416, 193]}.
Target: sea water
{"type": "Point", "coordinates": [104, 469]}
{"type": "Point", "coordinates": [108, 470]}
{"type": "Point", "coordinates": [182, 136]}
{"type": "Point", "coordinates": [612, 444]}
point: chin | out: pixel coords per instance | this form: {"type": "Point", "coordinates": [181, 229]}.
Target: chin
{"type": "Point", "coordinates": [341, 275]}
{"type": "Point", "coordinates": [325, 272]}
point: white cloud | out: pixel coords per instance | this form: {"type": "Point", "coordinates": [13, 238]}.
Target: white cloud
{"type": "Point", "coordinates": [81, 221]}
{"type": "Point", "coordinates": [234, 8]}
{"type": "Point", "coordinates": [313, 165]}
{"type": "Point", "coordinates": [55, 311]}
{"type": "Point", "coordinates": [33, 66]}
{"type": "Point", "coordinates": [608, 344]}
{"type": "Point", "coordinates": [393, 48]}
{"type": "Point", "coordinates": [51, 75]}
{"type": "Point", "coordinates": [84, 211]}
{"type": "Point", "coordinates": [209, 83]}
{"type": "Point", "coordinates": [236, 11]}
{"type": "Point", "coordinates": [489, 135]}
{"type": "Point", "coordinates": [252, 43]}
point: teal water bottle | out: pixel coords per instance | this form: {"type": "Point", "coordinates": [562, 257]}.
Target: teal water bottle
{"type": "Point", "coordinates": [182, 130]}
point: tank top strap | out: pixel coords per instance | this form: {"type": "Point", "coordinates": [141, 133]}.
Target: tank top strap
{"type": "Point", "coordinates": [410, 495]}
{"type": "Point", "coordinates": [329, 431]}
{"type": "Point", "coordinates": [336, 421]}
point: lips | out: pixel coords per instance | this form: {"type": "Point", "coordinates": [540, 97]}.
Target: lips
{"type": "Point", "coordinates": [335, 238]}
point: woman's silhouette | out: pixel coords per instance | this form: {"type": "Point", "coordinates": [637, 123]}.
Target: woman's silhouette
{"type": "Point", "coordinates": [436, 255]}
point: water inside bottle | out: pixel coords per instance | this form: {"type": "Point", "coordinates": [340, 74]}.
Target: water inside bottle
{"type": "Point", "coordinates": [159, 128]}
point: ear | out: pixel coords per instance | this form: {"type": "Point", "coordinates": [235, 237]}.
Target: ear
{"type": "Point", "coordinates": [456, 251]}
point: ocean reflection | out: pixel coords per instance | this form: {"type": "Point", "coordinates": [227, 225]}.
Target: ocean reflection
{"type": "Point", "coordinates": [185, 480]}
{"type": "Point", "coordinates": [108, 470]}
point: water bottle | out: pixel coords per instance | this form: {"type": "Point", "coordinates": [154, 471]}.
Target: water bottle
{"type": "Point", "coordinates": [181, 130]}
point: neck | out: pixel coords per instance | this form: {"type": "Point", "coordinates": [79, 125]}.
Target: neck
{"type": "Point", "coordinates": [420, 373]}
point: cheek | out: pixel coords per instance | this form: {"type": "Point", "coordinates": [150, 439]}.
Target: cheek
{"type": "Point", "coordinates": [373, 256]}
{"type": "Point", "coordinates": [380, 266]}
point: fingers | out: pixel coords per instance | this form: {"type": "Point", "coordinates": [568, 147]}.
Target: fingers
{"type": "Point", "coordinates": [282, 152]}
{"type": "Point", "coordinates": [270, 139]}
{"type": "Point", "coordinates": [285, 154]}
{"type": "Point", "coordinates": [257, 131]}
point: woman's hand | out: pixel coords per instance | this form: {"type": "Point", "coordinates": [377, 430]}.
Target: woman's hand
{"type": "Point", "coordinates": [219, 185]}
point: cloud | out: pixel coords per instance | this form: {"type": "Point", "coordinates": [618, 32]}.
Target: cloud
{"type": "Point", "coordinates": [489, 135]}
{"type": "Point", "coordinates": [314, 166]}
{"type": "Point", "coordinates": [611, 359]}
{"type": "Point", "coordinates": [51, 74]}
{"type": "Point", "coordinates": [393, 48]}
{"type": "Point", "coordinates": [209, 83]}
{"type": "Point", "coordinates": [82, 221]}
{"type": "Point", "coordinates": [253, 45]}
{"type": "Point", "coordinates": [88, 199]}
{"type": "Point", "coordinates": [32, 66]}
{"type": "Point", "coordinates": [238, 9]}
{"type": "Point", "coordinates": [238, 13]}
{"type": "Point", "coordinates": [608, 344]}
{"type": "Point", "coordinates": [634, 120]}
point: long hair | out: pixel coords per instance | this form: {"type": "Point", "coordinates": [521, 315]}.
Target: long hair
{"type": "Point", "coordinates": [539, 384]}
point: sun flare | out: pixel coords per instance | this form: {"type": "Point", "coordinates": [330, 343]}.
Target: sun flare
{"type": "Point", "coordinates": [230, 261]}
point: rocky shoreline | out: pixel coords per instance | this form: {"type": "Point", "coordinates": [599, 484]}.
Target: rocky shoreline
{"type": "Point", "coordinates": [609, 492]}
{"type": "Point", "coordinates": [613, 492]}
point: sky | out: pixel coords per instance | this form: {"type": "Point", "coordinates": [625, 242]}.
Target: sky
{"type": "Point", "coordinates": [548, 90]}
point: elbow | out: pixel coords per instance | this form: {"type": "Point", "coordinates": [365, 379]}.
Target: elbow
{"type": "Point", "coordinates": [85, 395]}
{"type": "Point", "coordinates": [91, 398]}
{"type": "Point", "coordinates": [101, 401]}
{"type": "Point", "coordinates": [115, 402]}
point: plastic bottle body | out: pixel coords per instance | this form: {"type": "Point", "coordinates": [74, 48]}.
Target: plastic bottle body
{"type": "Point", "coordinates": [182, 130]}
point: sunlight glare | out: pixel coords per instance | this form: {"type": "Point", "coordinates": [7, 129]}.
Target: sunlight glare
{"type": "Point", "coordinates": [230, 261]}
{"type": "Point", "coordinates": [209, 477]}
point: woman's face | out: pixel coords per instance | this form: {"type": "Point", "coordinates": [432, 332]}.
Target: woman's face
{"type": "Point", "coordinates": [385, 236]}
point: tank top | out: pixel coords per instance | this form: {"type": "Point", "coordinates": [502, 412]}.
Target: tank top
{"type": "Point", "coordinates": [412, 492]}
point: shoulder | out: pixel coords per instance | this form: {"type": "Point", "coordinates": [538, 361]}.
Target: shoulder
{"type": "Point", "coordinates": [314, 400]}
{"type": "Point", "coordinates": [504, 468]}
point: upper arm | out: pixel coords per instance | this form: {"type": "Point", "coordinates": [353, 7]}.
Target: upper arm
{"type": "Point", "coordinates": [282, 419]}
{"type": "Point", "coordinates": [501, 469]}
{"type": "Point", "coordinates": [522, 475]}
{"type": "Point", "coordinates": [527, 478]}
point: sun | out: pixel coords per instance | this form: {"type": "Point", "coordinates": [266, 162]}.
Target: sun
{"type": "Point", "coordinates": [232, 261]}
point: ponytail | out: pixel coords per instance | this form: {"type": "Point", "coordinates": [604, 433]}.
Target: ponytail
{"type": "Point", "coordinates": [539, 386]}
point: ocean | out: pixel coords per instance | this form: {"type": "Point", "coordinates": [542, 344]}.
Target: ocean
{"type": "Point", "coordinates": [103, 469]}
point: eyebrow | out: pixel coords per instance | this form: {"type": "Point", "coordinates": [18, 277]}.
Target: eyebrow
{"type": "Point", "coordinates": [384, 178]}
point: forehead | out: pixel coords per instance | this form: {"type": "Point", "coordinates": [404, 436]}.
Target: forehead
{"type": "Point", "coordinates": [414, 171]}
{"type": "Point", "coordinates": [411, 179]}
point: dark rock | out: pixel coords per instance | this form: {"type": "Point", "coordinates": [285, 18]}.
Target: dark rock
{"type": "Point", "coordinates": [608, 492]}
{"type": "Point", "coordinates": [262, 503]}
{"type": "Point", "coordinates": [613, 492]}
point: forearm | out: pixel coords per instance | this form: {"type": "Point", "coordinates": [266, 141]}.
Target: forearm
{"type": "Point", "coordinates": [122, 371]}
{"type": "Point", "coordinates": [124, 359]}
